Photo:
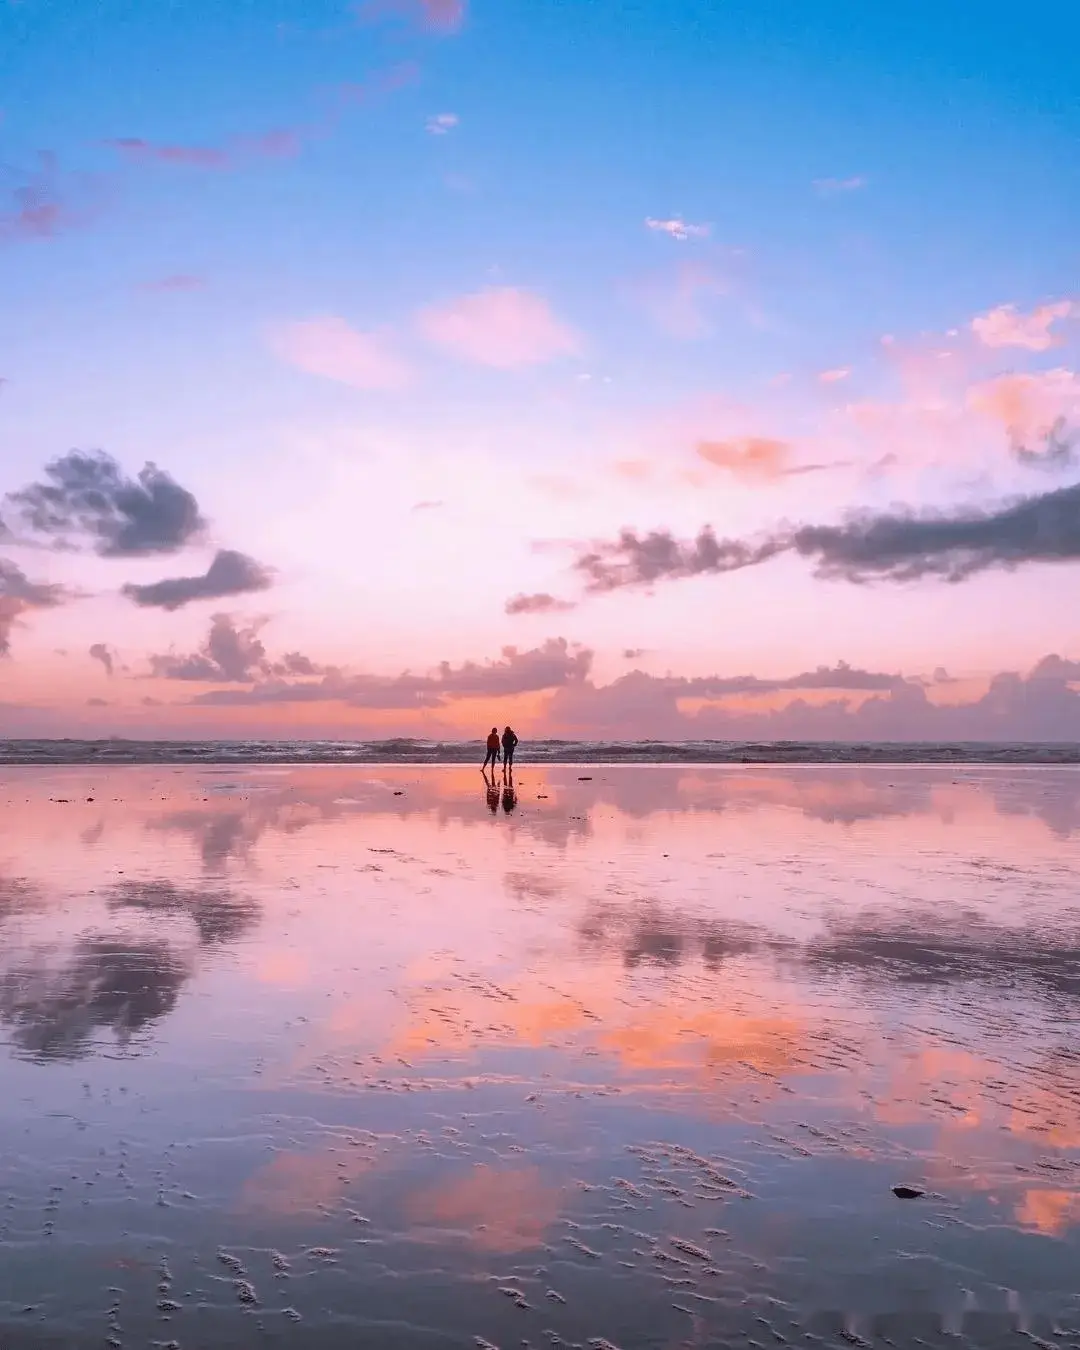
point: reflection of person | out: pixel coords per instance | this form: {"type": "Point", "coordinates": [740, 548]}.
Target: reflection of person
{"type": "Point", "coordinates": [492, 794]}
{"type": "Point", "coordinates": [509, 745]}
{"type": "Point", "coordinates": [492, 756]}
{"type": "Point", "coordinates": [509, 798]}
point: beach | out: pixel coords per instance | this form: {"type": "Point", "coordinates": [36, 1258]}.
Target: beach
{"type": "Point", "coordinates": [367, 1055]}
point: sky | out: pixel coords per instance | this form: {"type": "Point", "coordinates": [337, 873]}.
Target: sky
{"type": "Point", "coordinates": [664, 370]}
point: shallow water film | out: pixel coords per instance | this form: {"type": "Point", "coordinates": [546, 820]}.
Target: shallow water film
{"type": "Point", "coordinates": [628, 1057]}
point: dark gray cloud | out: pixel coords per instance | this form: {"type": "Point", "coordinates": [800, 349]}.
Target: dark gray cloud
{"type": "Point", "coordinates": [86, 499]}
{"type": "Point", "coordinates": [553, 665]}
{"type": "Point", "coordinates": [18, 595]}
{"type": "Point", "coordinates": [642, 560]}
{"type": "Point", "coordinates": [230, 655]}
{"type": "Point", "coordinates": [895, 545]}
{"type": "Point", "coordinates": [230, 573]}
{"type": "Point", "coordinates": [1058, 452]}
{"type": "Point", "coordinates": [100, 652]}
{"type": "Point", "coordinates": [540, 603]}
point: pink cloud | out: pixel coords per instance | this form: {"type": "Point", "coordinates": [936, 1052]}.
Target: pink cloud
{"type": "Point", "coordinates": [197, 156]}
{"type": "Point", "coordinates": [329, 347]}
{"type": "Point", "coordinates": [1028, 406]}
{"type": "Point", "coordinates": [676, 301]}
{"type": "Point", "coordinates": [752, 457]}
{"type": "Point", "coordinates": [502, 327]}
{"type": "Point", "coordinates": [438, 16]}
{"type": "Point", "coordinates": [832, 187]}
{"type": "Point", "coordinates": [180, 281]}
{"type": "Point", "coordinates": [759, 459]}
{"type": "Point", "coordinates": [384, 82]}
{"type": "Point", "coordinates": [38, 208]}
{"type": "Point", "coordinates": [1006, 326]}
{"type": "Point", "coordinates": [283, 143]}
{"type": "Point", "coordinates": [834, 376]}
{"type": "Point", "coordinates": [36, 215]}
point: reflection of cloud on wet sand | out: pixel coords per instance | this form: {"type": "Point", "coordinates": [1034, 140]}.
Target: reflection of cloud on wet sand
{"type": "Point", "coordinates": [58, 998]}
{"type": "Point", "coordinates": [673, 1033]}
{"type": "Point", "coordinates": [1049, 1211]}
{"type": "Point", "coordinates": [18, 896]}
{"type": "Point", "coordinates": [705, 1040]}
{"type": "Point", "coordinates": [653, 934]}
{"type": "Point", "coordinates": [932, 947]}
{"type": "Point", "coordinates": [107, 983]}
{"type": "Point", "coordinates": [307, 1183]}
{"type": "Point", "coordinates": [496, 1209]}
{"type": "Point", "coordinates": [218, 916]}
{"type": "Point", "coordinates": [555, 807]}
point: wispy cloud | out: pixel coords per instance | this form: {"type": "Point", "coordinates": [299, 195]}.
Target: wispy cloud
{"type": "Point", "coordinates": [677, 228]}
{"type": "Point", "coordinates": [283, 143]}
{"type": "Point", "coordinates": [40, 205]}
{"type": "Point", "coordinates": [192, 156]}
{"type": "Point", "coordinates": [383, 82]}
{"type": "Point", "coordinates": [229, 574]}
{"type": "Point", "coordinates": [502, 327]}
{"type": "Point", "coordinates": [441, 124]}
{"type": "Point", "coordinates": [437, 16]}
{"type": "Point", "coordinates": [1006, 326]}
{"type": "Point", "coordinates": [330, 347]}
{"type": "Point", "coordinates": [833, 187]}
{"type": "Point", "coordinates": [178, 281]}
{"type": "Point", "coordinates": [677, 300]}
{"type": "Point", "coordinates": [834, 376]}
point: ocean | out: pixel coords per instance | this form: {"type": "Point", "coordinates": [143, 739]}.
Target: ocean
{"type": "Point", "coordinates": [406, 751]}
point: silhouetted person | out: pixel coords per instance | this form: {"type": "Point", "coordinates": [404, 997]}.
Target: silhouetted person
{"type": "Point", "coordinates": [509, 798]}
{"type": "Point", "coordinates": [509, 745]}
{"type": "Point", "coordinates": [492, 756]}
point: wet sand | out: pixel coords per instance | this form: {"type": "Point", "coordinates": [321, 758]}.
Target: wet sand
{"type": "Point", "coordinates": [333, 1056]}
